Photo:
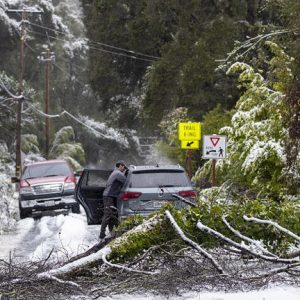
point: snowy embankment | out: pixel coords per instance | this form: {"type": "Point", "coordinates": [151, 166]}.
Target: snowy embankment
{"type": "Point", "coordinates": [8, 196]}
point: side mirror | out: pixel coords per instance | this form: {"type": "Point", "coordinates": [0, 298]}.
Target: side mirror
{"type": "Point", "coordinates": [15, 179]}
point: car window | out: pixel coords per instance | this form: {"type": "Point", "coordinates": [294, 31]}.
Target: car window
{"type": "Point", "coordinates": [158, 178]}
{"type": "Point", "coordinates": [97, 177]}
{"type": "Point", "coordinates": [46, 170]}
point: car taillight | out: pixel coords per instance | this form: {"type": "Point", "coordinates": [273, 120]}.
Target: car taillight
{"type": "Point", "coordinates": [130, 195]}
{"type": "Point", "coordinates": [187, 194]}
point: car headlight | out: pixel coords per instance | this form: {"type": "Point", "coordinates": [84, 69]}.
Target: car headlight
{"type": "Point", "coordinates": [26, 190]}
{"type": "Point", "coordinates": [69, 186]}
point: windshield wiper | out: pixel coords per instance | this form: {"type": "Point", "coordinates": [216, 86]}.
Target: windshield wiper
{"type": "Point", "coordinates": [165, 186]}
{"type": "Point", "coordinates": [51, 175]}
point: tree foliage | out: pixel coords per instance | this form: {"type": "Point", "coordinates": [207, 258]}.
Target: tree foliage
{"type": "Point", "coordinates": [256, 153]}
{"type": "Point", "coordinates": [64, 146]}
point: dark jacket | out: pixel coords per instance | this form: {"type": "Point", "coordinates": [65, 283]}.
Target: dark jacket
{"type": "Point", "coordinates": [114, 184]}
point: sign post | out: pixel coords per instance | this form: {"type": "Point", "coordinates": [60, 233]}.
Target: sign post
{"type": "Point", "coordinates": [214, 147]}
{"type": "Point", "coordinates": [189, 133]}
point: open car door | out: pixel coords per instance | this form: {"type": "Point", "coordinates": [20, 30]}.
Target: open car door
{"type": "Point", "coordinates": [89, 193]}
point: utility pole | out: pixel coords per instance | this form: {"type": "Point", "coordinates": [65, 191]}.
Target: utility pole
{"type": "Point", "coordinates": [19, 104]}
{"type": "Point", "coordinates": [47, 57]}
{"type": "Point", "coordinates": [23, 12]}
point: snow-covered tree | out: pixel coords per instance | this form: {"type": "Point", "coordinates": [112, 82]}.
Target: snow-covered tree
{"type": "Point", "coordinates": [64, 146]}
{"type": "Point", "coordinates": [256, 154]}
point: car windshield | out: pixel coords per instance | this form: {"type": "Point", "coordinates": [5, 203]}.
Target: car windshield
{"type": "Point", "coordinates": [158, 178]}
{"type": "Point", "coordinates": [46, 170]}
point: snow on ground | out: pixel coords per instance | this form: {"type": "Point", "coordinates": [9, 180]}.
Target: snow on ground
{"type": "Point", "coordinates": [65, 236]}
{"type": "Point", "coordinates": [275, 293]}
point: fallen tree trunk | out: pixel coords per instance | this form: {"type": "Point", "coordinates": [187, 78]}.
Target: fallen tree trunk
{"type": "Point", "coordinates": [103, 249]}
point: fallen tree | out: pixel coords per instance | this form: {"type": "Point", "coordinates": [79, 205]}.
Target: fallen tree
{"type": "Point", "coordinates": [157, 253]}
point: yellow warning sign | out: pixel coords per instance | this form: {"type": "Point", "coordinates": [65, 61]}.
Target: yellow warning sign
{"type": "Point", "coordinates": [189, 131]}
{"type": "Point", "coordinates": [189, 144]}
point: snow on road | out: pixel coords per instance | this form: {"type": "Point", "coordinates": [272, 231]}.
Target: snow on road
{"type": "Point", "coordinates": [65, 236]}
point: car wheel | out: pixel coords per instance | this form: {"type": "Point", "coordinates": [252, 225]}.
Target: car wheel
{"type": "Point", "coordinates": [76, 209]}
{"type": "Point", "coordinates": [23, 214]}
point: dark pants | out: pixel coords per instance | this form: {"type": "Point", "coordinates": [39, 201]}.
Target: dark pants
{"type": "Point", "coordinates": [110, 216]}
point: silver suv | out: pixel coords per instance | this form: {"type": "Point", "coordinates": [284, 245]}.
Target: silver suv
{"type": "Point", "coordinates": [146, 189]}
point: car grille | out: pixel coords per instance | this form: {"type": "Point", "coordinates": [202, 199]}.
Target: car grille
{"type": "Point", "coordinates": [48, 188]}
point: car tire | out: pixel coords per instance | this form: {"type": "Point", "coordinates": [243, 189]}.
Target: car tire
{"type": "Point", "coordinates": [23, 214]}
{"type": "Point", "coordinates": [76, 209]}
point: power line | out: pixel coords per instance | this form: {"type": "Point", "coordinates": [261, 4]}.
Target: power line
{"type": "Point", "coordinates": [64, 112]}
{"type": "Point", "coordinates": [120, 54]}
{"type": "Point", "coordinates": [95, 48]}
{"type": "Point", "coordinates": [20, 97]}
{"type": "Point", "coordinates": [66, 72]}
{"type": "Point", "coordinates": [60, 68]}
{"type": "Point", "coordinates": [99, 43]}
{"type": "Point", "coordinates": [60, 58]}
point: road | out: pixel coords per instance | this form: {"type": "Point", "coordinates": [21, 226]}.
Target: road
{"type": "Point", "coordinates": [65, 236]}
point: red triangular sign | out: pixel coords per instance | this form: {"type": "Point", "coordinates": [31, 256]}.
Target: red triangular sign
{"type": "Point", "coordinates": [215, 140]}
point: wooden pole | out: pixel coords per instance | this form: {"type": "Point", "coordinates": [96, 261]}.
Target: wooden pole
{"type": "Point", "coordinates": [47, 105]}
{"type": "Point", "coordinates": [190, 172]}
{"type": "Point", "coordinates": [23, 12]}
{"type": "Point", "coordinates": [213, 172]}
{"type": "Point", "coordinates": [19, 104]}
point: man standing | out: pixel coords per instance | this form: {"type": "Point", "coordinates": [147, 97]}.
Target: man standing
{"type": "Point", "coordinates": [112, 190]}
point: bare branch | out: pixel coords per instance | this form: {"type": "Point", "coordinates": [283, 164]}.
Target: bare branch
{"type": "Point", "coordinates": [47, 276]}
{"type": "Point", "coordinates": [293, 254]}
{"type": "Point", "coordinates": [276, 225]}
{"type": "Point", "coordinates": [124, 267]}
{"type": "Point", "coordinates": [220, 236]}
{"type": "Point", "coordinates": [192, 243]}
{"type": "Point", "coordinates": [275, 271]}
{"type": "Point", "coordinates": [243, 237]}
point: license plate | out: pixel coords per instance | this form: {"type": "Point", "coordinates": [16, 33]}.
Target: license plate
{"type": "Point", "coordinates": [49, 203]}
{"type": "Point", "coordinates": [158, 204]}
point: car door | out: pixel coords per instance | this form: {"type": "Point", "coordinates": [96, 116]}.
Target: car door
{"type": "Point", "coordinates": [89, 193]}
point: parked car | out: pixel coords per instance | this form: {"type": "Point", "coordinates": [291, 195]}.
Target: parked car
{"type": "Point", "coordinates": [46, 187]}
{"type": "Point", "coordinates": [146, 189]}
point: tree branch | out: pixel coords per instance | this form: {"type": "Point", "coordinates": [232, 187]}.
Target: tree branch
{"type": "Point", "coordinates": [243, 237]}
{"type": "Point", "coordinates": [276, 225]}
{"type": "Point", "coordinates": [124, 267]}
{"type": "Point", "coordinates": [192, 243]}
{"type": "Point", "coordinates": [220, 236]}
